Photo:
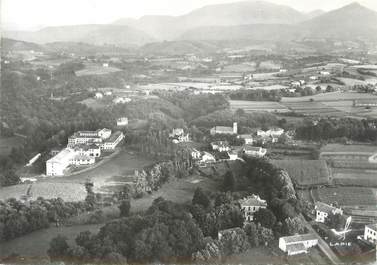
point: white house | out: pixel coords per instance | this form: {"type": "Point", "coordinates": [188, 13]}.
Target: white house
{"type": "Point", "coordinates": [298, 244]}
{"type": "Point", "coordinates": [254, 151]}
{"type": "Point", "coordinates": [122, 121]}
{"type": "Point", "coordinates": [108, 93]}
{"type": "Point", "coordinates": [323, 210]}
{"type": "Point", "coordinates": [370, 233]}
{"type": "Point", "coordinates": [224, 129]}
{"type": "Point", "coordinates": [105, 65]}
{"type": "Point", "coordinates": [98, 95]}
{"type": "Point", "coordinates": [221, 146]}
{"type": "Point", "coordinates": [273, 132]}
{"type": "Point", "coordinates": [207, 158]}
{"type": "Point", "coordinates": [90, 150]}
{"type": "Point", "coordinates": [324, 73]}
{"type": "Point", "coordinates": [250, 205]}
{"type": "Point", "coordinates": [233, 155]}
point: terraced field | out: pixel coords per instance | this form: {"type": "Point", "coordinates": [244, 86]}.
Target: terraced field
{"type": "Point", "coordinates": [305, 172]}
{"type": "Point", "coordinates": [313, 108]}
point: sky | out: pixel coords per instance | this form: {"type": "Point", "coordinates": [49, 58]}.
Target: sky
{"type": "Point", "coordinates": [35, 14]}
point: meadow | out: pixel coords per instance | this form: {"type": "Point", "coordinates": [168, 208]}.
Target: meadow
{"type": "Point", "coordinates": [347, 196]}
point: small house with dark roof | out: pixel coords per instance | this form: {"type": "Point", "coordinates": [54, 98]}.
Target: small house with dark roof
{"type": "Point", "coordinates": [323, 210]}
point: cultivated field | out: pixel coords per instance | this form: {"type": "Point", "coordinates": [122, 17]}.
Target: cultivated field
{"type": "Point", "coordinates": [66, 191]}
{"type": "Point", "coordinates": [355, 177]}
{"type": "Point", "coordinates": [332, 96]}
{"type": "Point", "coordinates": [94, 69]}
{"type": "Point", "coordinates": [313, 108]}
{"type": "Point", "coordinates": [305, 172]}
{"type": "Point", "coordinates": [250, 106]}
{"type": "Point", "coordinates": [244, 67]}
{"type": "Point", "coordinates": [347, 196]}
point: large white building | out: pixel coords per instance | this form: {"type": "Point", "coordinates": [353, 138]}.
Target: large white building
{"type": "Point", "coordinates": [86, 137]}
{"type": "Point", "coordinates": [251, 205]}
{"type": "Point", "coordinates": [56, 165]}
{"type": "Point", "coordinates": [254, 151]}
{"type": "Point", "coordinates": [370, 233]}
{"type": "Point", "coordinates": [298, 244]}
{"type": "Point", "coordinates": [91, 150]}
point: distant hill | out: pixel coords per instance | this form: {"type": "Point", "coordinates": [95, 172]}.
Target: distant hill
{"type": "Point", "coordinates": [83, 48]}
{"type": "Point", "coordinates": [349, 22]}
{"type": "Point", "coordinates": [231, 14]}
{"type": "Point", "coordinates": [179, 47]}
{"type": "Point", "coordinates": [314, 13]}
{"type": "Point", "coordinates": [16, 45]}
{"type": "Point", "coordinates": [92, 34]}
{"type": "Point", "coordinates": [256, 32]}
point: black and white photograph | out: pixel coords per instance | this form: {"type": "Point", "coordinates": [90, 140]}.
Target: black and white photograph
{"type": "Point", "coordinates": [188, 132]}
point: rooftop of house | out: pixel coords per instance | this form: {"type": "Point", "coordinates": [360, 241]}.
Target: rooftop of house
{"type": "Point", "coordinates": [65, 154]}
{"type": "Point", "coordinates": [299, 238]}
{"type": "Point", "coordinates": [323, 207]}
{"type": "Point", "coordinates": [372, 226]}
{"type": "Point", "coordinates": [86, 147]}
{"type": "Point", "coordinates": [82, 157]}
{"type": "Point", "coordinates": [298, 247]}
{"type": "Point", "coordinates": [223, 129]}
{"type": "Point", "coordinates": [253, 200]}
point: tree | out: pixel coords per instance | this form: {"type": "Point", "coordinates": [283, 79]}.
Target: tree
{"type": "Point", "coordinates": [252, 234]}
{"type": "Point", "coordinates": [336, 221]}
{"type": "Point", "coordinates": [201, 198]}
{"type": "Point", "coordinates": [265, 217]}
{"type": "Point", "coordinates": [292, 226]}
{"type": "Point", "coordinates": [229, 182]}
{"type": "Point", "coordinates": [124, 208]}
{"type": "Point", "coordinates": [58, 248]}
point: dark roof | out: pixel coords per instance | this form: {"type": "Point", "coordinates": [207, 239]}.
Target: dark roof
{"type": "Point", "coordinates": [299, 238]}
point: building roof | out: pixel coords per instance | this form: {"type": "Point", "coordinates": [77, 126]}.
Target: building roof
{"type": "Point", "coordinates": [372, 226]}
{"type": "Point", "coordinates": [220, 143]}
{"type": "Point", "coordinates": [86, 147]}
{"type": "Point", "coordinates": [65, 155]}
{"type": "Point", "coordinates": [253, 200]}
{"type": "Point", "coordinates": [299, 238]}
{"type": "Point", "coordinates": [299, 247]}
{"type": "Point", "coordinates": [83, 157]}
{"type": "Point", "coordinates": [324, 207]}
{"type": "Point", "coordinates": [223, 129]}
{"type": "Point", "coordinates": [245, 136]}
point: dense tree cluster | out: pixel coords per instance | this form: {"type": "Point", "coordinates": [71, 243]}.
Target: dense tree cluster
{"type": "Point", "coordinates": [256, 95]}
{"type": "Point", "coordinates": [328, 129]}
{"type": "Point", "coordinates": [18, 218]}
{"type": "Point", "coordinates": [166, 232]}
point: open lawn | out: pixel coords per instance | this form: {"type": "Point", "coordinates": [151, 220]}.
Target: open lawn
{"type": "Point", "coordinates": [305, 172]}
{"type": "Point", "coordinates": [95, 69]}
{"type": "Point", "coordinates": [250, 106]}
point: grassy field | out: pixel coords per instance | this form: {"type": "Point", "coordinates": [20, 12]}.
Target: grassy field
{"type": "Point", "coordinates": [305, 172]}
{"type": "Point", "coordinates": [347, 196]}
{"type": "Point", "coordinates": [94, 69]}
{"type": "Point", "coordinates": [355, 177]}
{"type": "Point", "coordinates": [313, 108]}
{"type": "Point", "coordinates": [250, 106]}
{"type": "Point", "coordinates": [95, 104]}
{"type": "Point", "coordinates": [332, 96]}
{"type": "Point", "coordinates": [7, 143]}
{"type": "Point", "coordinates": [244, 67]}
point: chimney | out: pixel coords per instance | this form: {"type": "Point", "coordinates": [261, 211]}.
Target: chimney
{"type": "Point", "coordinates": [235, 129]}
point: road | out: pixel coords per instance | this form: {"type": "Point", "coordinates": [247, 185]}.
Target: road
{"type": "Point", "coordinates": [323, 246]}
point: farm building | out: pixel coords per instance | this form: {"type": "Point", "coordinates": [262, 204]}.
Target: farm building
{"type": "Point", "coordinates": [224, 129]}
{"type": "Point", "coordinates": [323, 210]}
{"type": "Point", "coordinates": [247, 137]}
{"type": "Point", "coordinates": [250, 205]}
{"type": "Point", "coordinates": [298, 244]}
{"type": "Point", "coordinates": [370, 233]}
